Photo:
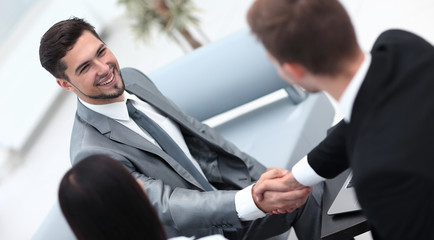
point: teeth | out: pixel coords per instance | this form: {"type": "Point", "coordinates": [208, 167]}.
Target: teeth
{"type": "Point", "coordinates": [108, 81]}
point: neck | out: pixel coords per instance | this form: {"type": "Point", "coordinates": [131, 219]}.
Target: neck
{"type": "Point", "coordinates": [336, 85]}
{"type": "Point", "coordinates": [102, 101]}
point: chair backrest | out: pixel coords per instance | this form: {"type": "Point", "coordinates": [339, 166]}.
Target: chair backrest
{"type": "Point", "coordinates": [219, 76]}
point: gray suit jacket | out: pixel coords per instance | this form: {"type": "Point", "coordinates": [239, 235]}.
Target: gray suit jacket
{"type": "Point", "coordinates": [183, 206]}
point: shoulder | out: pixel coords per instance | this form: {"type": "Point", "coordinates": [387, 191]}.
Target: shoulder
{"type": "Point", "coordinates": [397, 38]}
{"type": "Point", "coordinates": [134, 76]}
{"type": "Point", "coordinates": [136, 81]}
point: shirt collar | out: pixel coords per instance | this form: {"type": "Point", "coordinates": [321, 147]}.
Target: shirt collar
{"type": "Point", "coordinates": [348, 97]}
{"type": "Point", "coordinates": [116, 110]}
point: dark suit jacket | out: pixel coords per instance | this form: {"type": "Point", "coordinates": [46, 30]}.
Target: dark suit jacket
{"type": "Point", "coordinates": [389, 142]}
{"type": "Point", "coordinates": [182, 205]}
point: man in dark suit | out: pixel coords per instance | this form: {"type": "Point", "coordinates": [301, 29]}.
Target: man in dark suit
{"type": "Point", "coordinates": [73, 52]}
{"type": "Point", "coordinates": [386, 97]}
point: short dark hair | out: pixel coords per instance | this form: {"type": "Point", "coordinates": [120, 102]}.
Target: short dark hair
{"type": "Point", "coordinates": [58, 40]}
{"type": "Point", "coordinates": [318, 34]}
{"type": "Point", "coordinates": [101, 200]}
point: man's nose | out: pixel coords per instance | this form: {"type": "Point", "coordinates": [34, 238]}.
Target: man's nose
{"type": "Point", "coordinates": [102, 68]}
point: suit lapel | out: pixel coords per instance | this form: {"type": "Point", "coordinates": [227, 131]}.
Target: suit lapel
{"type": "Point", "coordinates": [119, 133]}
{"type": "Point", "coordinates": [112, 129]}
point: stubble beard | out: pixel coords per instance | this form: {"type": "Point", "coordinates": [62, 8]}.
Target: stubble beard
{"type": "Point", "coordinates": [119, 91]}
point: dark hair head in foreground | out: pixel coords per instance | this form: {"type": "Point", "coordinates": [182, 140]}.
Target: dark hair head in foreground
{"type": "Point", "coordinates": [101, 200]}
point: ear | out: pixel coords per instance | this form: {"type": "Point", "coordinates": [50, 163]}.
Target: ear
{"type": "Point", "coordinates": [65, 84]}
{"type": "Point", "coordinates": [295, 70]}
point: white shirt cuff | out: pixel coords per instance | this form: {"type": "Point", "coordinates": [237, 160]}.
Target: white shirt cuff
{"type": "Point", "coordinates": [304, 174]}
{"type": "Point", "coordinates": [245, 206]}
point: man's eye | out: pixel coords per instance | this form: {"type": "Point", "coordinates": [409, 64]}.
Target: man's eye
{"type": "Point", "coordinates": [84, 68]}
{"type": "Point", "coordinates": [101, 52]}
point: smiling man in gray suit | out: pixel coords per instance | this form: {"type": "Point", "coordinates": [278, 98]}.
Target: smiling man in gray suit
{"type": "Point", "coordinates": [75, 55]}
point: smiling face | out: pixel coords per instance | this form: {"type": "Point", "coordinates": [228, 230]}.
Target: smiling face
{"type": "Point", "coordinates": [93, 71]}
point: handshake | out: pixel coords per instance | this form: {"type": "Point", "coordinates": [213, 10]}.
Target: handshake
{"type": "Point", "coordinates": [277, 191]}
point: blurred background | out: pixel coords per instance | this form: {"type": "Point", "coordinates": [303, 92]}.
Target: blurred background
{"type": "Point", "coordinates": [37, 115]}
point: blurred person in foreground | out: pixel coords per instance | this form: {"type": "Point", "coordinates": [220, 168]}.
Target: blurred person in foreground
{"type": "Point", "coordinates": [218, 198]}
{"type": "Point", "coordinates": [386, 97]}
{"type": "Point", "coordinates": [101, 200]}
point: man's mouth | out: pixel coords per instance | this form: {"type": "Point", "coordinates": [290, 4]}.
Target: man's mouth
{"type": "Point", "coordinates": [109, 80]}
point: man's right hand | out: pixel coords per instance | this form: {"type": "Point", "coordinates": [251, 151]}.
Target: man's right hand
{"type": "Point", "coordinates": [277, 191]}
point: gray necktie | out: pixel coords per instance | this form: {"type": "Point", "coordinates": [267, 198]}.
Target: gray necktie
{"type": "Point", "coordinates": [167, 144]}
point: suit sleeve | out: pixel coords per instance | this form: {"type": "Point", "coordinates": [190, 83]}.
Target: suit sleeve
{"type": "Point", "coordinates": [188, 209]}
{"type": "Point", "coordinates": [181, 210]}
{"type": "Point", "coordinates": [329, 158]}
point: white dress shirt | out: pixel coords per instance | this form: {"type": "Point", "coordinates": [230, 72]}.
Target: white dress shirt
{"type": "Point", "coordinates": [302, 171]}
{"type": "Point", "coordinates": [244, 204]}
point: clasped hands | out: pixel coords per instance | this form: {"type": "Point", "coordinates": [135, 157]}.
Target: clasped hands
{"type": "Point", "coordinates": [277, 192]}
